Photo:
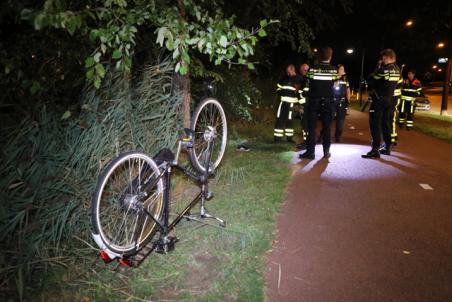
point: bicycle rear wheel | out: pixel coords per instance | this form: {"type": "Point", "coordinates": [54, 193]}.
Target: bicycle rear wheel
{"type": "Point", "coordinates": [129, 186]}
{"type": "Point", "coordinates": [208, 123]}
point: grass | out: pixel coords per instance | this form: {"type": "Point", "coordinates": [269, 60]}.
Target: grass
{"type": "Point", "coordinates": [209, 263]}
{"type": "Point", "coordinates": [433, 124]}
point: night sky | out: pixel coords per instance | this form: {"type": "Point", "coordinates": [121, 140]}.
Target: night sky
{"type": "Point", "coordinates": [374, 25]}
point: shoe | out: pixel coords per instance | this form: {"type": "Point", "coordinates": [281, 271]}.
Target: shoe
{"type": "Point", "coordinates": [374, 153]}
{"type": "Point", "coordinates": [301, 146]}
{"type": "Point", "coordinates": [385, 151]}
{"type": "Point", "coordinates": [326, 154]}
{"type": "Point", "coordinates": [243, 148]}
{"type": "Point", "coordinates": [307, 155]}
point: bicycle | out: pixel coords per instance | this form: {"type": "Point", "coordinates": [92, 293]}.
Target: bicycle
{"type": "Point", "coordinates": [131, 204]}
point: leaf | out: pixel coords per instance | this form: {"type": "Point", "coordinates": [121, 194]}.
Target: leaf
{"type": "Point", "coordinates": [97, 82]}
{"type": "Point", "coordinates": [263, 23]}
{"type": "Point", "coordinates": [183, 69]}
{"type": "Point", "coordinates": [97, 57]}
{"type": "Point", "coordinates": [223, 41]}
{"type": "Point", "coordinates": [117, 54]}
{"type": "Point", "coordinates": [261, 33]}
{"type": "Point", "coordinates": [66, 115]}
{"type": "Point", "coordinates": [161, 35]}
{"type": "Point", "coordinates": [250, 66]}
{"type": "Point", "coordinates": [100, 70]}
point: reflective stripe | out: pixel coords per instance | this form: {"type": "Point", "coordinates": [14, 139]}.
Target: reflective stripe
{"type": "Point", "coordinates": [323, 77]}
{"type": "Point", "coordinates": [278, 134]}
{"type": "Point", "coordinates": [290, 115]}
{"type": "Point", "coordinates": [289, 99]}
{"type": "Point", "coordinates": [408, 98]}
{"type": "Point", "coordinates": [280, 87]}
{"type": "Point", "coordinates": [279, 110]}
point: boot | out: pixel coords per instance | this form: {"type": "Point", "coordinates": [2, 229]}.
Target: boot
{"type": "Point", "coordinates": [326, 153]}
{"type": "Point", "coordinates": [374, 153]}
{"type": "Point", "coordinates": [307, 155]}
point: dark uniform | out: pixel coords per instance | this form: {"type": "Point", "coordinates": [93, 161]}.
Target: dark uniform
{"type": "Point", "coordinates": [320, 102]}
{"type": "Point", "coordinates": [410, 90]}
{"type": "Point", "coordinates": [287, 90]}
{"type": "Point", "coordinates": [341, 104]}
{"type": "Point", "coordinates": [303, 92]}
{"type": "Point", "coordinates": [383, 82]}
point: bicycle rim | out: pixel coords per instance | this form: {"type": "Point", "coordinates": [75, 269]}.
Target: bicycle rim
{"type": "Point", "coordinates": [119, 199]}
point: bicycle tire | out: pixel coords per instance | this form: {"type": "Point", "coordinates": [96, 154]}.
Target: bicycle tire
{"type": "Point", "coordinates": [209, 113]}
{"type": "Point", "coordinates": [116, 202]}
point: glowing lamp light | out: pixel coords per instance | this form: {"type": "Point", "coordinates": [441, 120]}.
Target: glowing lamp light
{"type": "Point", "coordinates": [434, 66]}
{"type": "Point", "coordinates": [440, 45]}
{"type": "Point", "coordinates": [314, 50]}
{"type": "Point", "coordinates": [350, 50]}
{"type": "Point", "coordinates": [439, 70]}
{"type": "Point", "coordinates": [409, 23]}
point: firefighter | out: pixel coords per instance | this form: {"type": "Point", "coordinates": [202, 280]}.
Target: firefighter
{"type": "Point", "coordinates": [410, 90]}
{"type": "Point", "coordinates": [396, 112]}
{"type": "Point", "coordinates": [287, 90]}
{"type": "Point", "coordinates": [383, 82]}
{"type": "Point", "coordinates": [302, 101]}
{"type": "Point", "coordinates": [341, 92]}
{"type": "Point", "coordinates": [320, 101]}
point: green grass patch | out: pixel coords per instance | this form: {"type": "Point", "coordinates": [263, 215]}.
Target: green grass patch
{"type": "Point", "coordinates": [439, 126]}
{"type": "Point", "coordinates": [209, 263]}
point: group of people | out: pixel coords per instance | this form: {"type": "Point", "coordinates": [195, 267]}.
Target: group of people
{"type": "Point", "coordinates": [323, 92]}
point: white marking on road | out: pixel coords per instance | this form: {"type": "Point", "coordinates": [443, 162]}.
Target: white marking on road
{"type": "Point", "coordinates": [360, 133]}
{"type": "Point", "coordinates": [406, 252]}
{"type": "Point", "coordinates": [426, 187]}
{"type": "Point", "coordinates": [352, 128]}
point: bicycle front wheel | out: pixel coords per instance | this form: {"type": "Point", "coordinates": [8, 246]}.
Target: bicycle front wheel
{"type": "Point", "coordinates": [129, 187]}
{"type": "Point", "coordinates": [209, 125]}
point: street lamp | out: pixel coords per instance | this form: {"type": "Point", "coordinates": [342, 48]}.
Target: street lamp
{"type": "Point", "coordinates": [440, 45]}
{"type": "Point", "coordinates": [361, 77]}
{"type": "Point", "coordinates": [435, 66]}
{"type": "Point", "coordinates": [409, 23]}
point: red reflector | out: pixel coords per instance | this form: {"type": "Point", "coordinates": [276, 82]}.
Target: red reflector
{"type": "Point", "coordinates": [125, 262]}
{"type": "Point", "coordinates": [105, 256]}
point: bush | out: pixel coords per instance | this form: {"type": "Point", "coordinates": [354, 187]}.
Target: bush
{"type": "Point", "coordinates": [50, 161]}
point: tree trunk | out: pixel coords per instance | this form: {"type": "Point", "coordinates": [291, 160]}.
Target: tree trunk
{"type": "Point", "coordinates": [183, 81]}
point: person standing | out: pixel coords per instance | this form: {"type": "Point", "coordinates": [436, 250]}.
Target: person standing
{"type": "Point", "coordinates": [341, 93]}
{"type": "Point", "coordinates": [410, 90]}
{"type": "Point", "coordinates": [320, 102]}
{"type": "Point", "coordinates": [382, 82]}
{"type": "Point", "coordinates": [302, 102]}
{"type": "Point", "coordinates": [287, 90]}
{"type": "Point", "coordinates": [396, 112]}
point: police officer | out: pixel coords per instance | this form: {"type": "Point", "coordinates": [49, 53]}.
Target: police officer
{"type": "Point", "coordinates": [341, 92]}
{"type": "Point", "coordinates": [287, 90]}
{"type": "Point", "coordinates": [410, 90]}
{"type": "Point", "coordinates": [382, 82]}
{"type": "Point", "coordinates": [302, 102]}
{"type": "Point", "coordinates": [320, 101]}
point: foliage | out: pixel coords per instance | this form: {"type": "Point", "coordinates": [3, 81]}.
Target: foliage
{"type": "Point", "coordinates": [184, 30]}
{"type": "Point", "coordinates": [50, 162]}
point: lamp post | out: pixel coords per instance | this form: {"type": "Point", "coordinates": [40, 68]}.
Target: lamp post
{"type": "Point", "coordinates": [447, 76]}
{"type": "Point", "coordinates": [361, 76]}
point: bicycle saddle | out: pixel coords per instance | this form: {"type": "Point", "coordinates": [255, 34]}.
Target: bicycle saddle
{"type": "Point", "coordinates": [164, 155]}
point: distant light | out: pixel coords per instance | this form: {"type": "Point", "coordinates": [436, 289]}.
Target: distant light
{"type": "Point", "coordinates": [409, 23]}
{"type": "Point", "coordinates": [442, 60]}
{"type": "Point", "coordinates": [440, 45]}
{"type": "Point", "coordinates": [350, 50]}
{"type": "Point", "coordinates": [435, 66]}
{"type": "Point", "coordinates": [439, 70]}
{"type": "Point", "coordinates": [314, 50]}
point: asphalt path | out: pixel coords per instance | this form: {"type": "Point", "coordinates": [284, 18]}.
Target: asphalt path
{"type": "Point", "coordinates": [354, 229]}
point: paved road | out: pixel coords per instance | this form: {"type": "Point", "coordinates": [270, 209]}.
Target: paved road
{"type": "Point", "coordinates": [435, 97]}
{"type": "Point", "coordinates": [353, 229]}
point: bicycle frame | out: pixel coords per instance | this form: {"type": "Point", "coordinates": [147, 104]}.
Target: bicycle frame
{"type": "Point", "coordinates": [165, 226]}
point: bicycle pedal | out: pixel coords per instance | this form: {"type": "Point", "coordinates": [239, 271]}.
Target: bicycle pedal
{"type": "Point", "coordinates": [166, 245]}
